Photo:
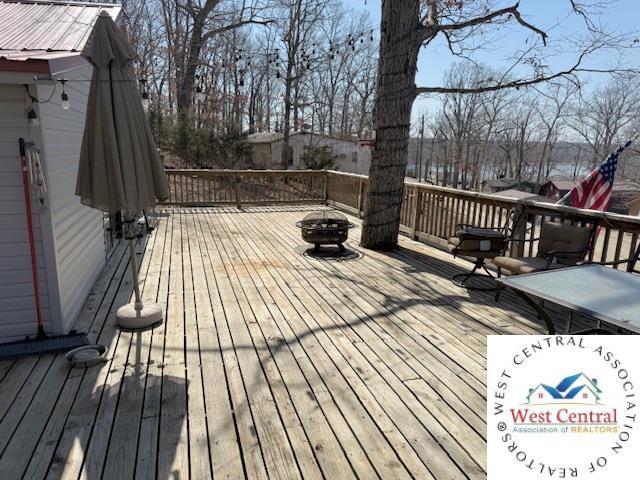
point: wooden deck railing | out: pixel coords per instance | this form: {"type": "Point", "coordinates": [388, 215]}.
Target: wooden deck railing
{"type": "Point", "coordinates": [429, 213]}
{"type": "Point", "coordinates": [238, 187]}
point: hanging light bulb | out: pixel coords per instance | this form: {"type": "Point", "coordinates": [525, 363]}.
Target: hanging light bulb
{"type": "Point", "coordinates": [145, 100]}
{"type": "Point", "coordinates": [199, 94]}
{"type": "Point", "coordinates": [145, 94]}
{"type": "Point", "coordinates": [32, 118]}
{"type": "Point", "coordinates": [64, 98]}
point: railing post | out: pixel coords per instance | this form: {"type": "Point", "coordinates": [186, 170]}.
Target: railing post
{"type": "Point", "coordinates": [519, 233]}
{"type": "Point", "coordinates": [236, 189]}
{"type": "Point", "coordinates": [325, 190]}
{"type": "Point", "coordinates": [416, 211]}
{"type": "Point", "coordinates": [360, 197]}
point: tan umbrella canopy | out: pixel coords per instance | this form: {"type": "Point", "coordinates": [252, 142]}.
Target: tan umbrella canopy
{"type": "Point", "coordinates": [120, 169]}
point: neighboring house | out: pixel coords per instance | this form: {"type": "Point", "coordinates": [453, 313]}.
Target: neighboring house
{"type": "Point", "coordinates": [266, 150]}
{"type": "Point", "coordinates": [40, 43]}
{"type": "Point", "coordinates": [498, 185]}
{"type": "Point", "coordinates": [529, 186]}
{"type": "Point", "coordinates": [520, 195]}
{"type": "Point", "coordinates": [624, 194]}
{"type": "Point", "coordinates": [351, 155]}
{"type": "Point", "coordinates": [633, 206]}
{"type": "Point", "coordinates": [625, 198]}
{"type": "Point", "coordinates": [556, 189]}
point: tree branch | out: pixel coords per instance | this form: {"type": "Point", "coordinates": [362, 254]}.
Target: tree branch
{"type": "Point", "coordinates": [233, 26]}
{"type": "Point", "coordinates": [512, 84]}
{"type": "Point", "coordinates": [513, 10]}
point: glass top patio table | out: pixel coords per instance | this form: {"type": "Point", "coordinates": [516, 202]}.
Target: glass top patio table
{"type": "Point", "coordinates": [602, 293]}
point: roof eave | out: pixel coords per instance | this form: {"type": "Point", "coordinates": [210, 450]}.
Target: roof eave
{"type": "Point", "coordinates": [43, 66]}
{"type": "Point", "coordinates": [24, 66]}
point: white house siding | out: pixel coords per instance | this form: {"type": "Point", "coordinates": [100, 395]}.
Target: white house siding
{"type": "Point", "coordinates": [360, 165]}
{"type": "Point", "coordinates": [17, 301]}
{"type": "Point", "coordinates": [77, 231]}
{"type": "Point", "coordinates": [350, 156]}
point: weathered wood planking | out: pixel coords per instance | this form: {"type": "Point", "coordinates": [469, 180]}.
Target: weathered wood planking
{"type": "Point", "coordinates": [269, 364]}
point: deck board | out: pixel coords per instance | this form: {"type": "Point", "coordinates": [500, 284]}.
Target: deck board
{"type": "Point", "coordinates": [270, 364]}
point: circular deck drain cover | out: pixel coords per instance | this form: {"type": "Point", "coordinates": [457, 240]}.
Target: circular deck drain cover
{"type": "Point", "coordinates": [328, 253]}
{"type": "Point", "coordinates": [86, 356]}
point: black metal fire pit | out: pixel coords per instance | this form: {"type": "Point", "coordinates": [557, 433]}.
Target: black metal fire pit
{"type": "Point", "coordinates": [325, 227]}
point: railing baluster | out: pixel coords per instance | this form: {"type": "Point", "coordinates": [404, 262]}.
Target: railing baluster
{"type": "Point", "coordinates": [442, 215]}
{"type": "Point", "coordinates": [618, 246]}
{"type": "Point", "coordinates": [633, 245]}
{"type": "Point", "coordinates": [532, 234]}
{"type": "Point", "coordinates": [360, 197]}
{"type": "Point", "coordinates": [605, 245]}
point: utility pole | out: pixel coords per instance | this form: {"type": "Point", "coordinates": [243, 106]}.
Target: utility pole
{"type": "Point", "coordinates": [420, 149]}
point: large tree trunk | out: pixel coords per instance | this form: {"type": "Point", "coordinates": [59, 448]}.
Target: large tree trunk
{"type": "Point", "coordinates": [399, 46]}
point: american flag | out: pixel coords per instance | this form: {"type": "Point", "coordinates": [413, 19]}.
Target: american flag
{"type": "Point", "coordinates": [594, 191]}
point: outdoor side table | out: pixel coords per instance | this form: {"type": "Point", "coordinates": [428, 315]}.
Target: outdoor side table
{"type": "Point", "coordinates": [605, 294]}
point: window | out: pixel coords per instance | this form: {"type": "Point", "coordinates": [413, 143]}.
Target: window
{"type": "Point", "coordinates": [584, 395]}
{"type": "Point", "coordinates": [354, 157]}
{"type": "Point", "coordinates": [541, 395]}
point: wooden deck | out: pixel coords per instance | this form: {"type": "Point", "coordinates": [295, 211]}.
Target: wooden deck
{"type": "Point", "coordinates": [270, 364]}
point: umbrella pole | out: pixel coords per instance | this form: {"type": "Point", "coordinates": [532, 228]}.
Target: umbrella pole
{"type": "Point", "coordinates": [134, 272]}
{"type": "Point", "coordinates": [136, 316]}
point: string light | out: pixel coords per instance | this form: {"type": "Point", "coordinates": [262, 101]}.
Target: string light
{"type": "Point", "coordinates": [32, 116]}
{"type": "Point", "coordinates": [145, 94]}
{"type": "Point", "coordinates": [199, 94]}
{"type": "Point", "coordinates": [272, 59]}
{"type": "Point", "coordinates": [242, 58]}
{"type": "Point", "coordinates": [64, 98]}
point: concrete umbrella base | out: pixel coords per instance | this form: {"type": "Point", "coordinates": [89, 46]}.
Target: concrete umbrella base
{"type": "Point", "coordinates": [132, 319]}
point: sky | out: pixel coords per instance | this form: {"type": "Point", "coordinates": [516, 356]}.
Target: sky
{"type": "Point", "coordinates": [552, 16]}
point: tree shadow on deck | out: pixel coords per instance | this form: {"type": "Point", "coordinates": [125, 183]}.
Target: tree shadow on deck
{"type": "Point", "coordinates": [509, 308]}
{"type": "Point", "coordinates": [427, 281]}
{"type": "Point", "coordinates": [133, 428]}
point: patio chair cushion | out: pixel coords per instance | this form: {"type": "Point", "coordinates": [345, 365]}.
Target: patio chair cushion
{"type": "Point", "coordinates": [473, 247]}
{"type": "Point", "coordinates": [520, 265]}
{"type": "Point", "coordinates": [565, 238]}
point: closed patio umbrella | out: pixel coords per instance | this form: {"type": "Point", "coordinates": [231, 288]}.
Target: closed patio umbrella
{"type": "Point", "coordinates": [120, 169]}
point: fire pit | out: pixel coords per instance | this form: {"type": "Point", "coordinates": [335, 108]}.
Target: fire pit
{"type": "Point", "coordinates": [325, 227]}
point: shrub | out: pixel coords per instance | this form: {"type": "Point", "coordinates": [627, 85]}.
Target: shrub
{"type": "Point", "coordinates": [318, 157]}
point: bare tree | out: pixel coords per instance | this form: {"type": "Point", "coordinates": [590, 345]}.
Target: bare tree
{"type": "Point", "coordinates": [599, 119]}
{"type": "Point", "coordinates": [297, 30]}
{"type": "Point", "coordinates": [202, 21]}
{"type": "Point", "coordinates": [551, 114]}
{"type": "Point", "coordinates": [406, 26]}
